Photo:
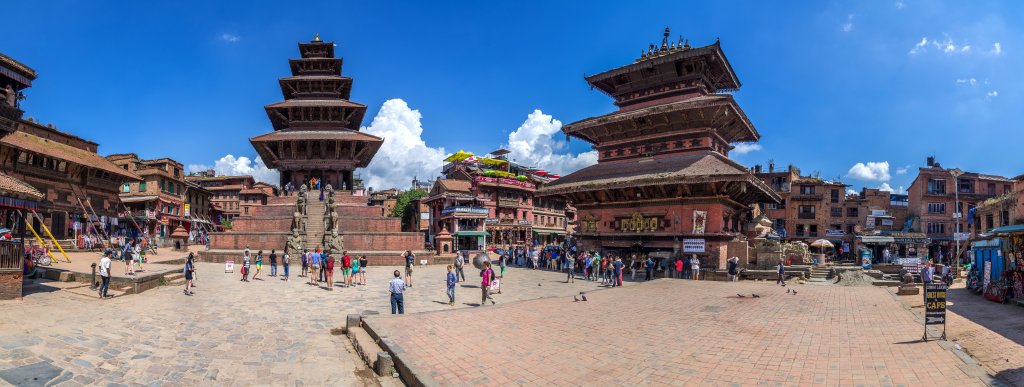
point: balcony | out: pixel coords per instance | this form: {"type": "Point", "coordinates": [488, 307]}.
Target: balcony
{"type": "Point", "coordinates": [805, 215]}
{"type": "Point", "coordinates": [505, 202]}
{"type": "Point", "coordinates": [464, 210]}
{"type": "Point", "coordinates": [806, 197]}
{"type": "Point", "coordinates": [503, 182]}
{"type": "Point", "coordinates": [783, 187]}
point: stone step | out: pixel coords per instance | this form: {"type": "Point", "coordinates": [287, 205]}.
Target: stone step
{"type": "Point", "coordinates": [86, 292]}
{"type": "Point", "coordinates": [173, 277]}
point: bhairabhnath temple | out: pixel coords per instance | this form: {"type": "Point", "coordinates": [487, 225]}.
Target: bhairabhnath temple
{"type": "Point", "coordinates": [664, 184]}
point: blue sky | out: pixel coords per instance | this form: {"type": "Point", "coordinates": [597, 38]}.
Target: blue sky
{"type": "Point", "coordinates": [827, 84]}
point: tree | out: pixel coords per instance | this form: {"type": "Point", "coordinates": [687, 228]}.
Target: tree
{"type": "Point", "coordinates": [226, 223]}
{"type": "Point", "coordinates": [405, 201]}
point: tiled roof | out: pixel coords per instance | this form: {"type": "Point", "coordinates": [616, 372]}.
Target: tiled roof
{"type": "Point", "coordinates": [66, 152]}
{"type": "Point", "coordinates": [334, 134]}
{"type": "Point", "coordinates": [9, 186]}
{"type": "Point", "coordinates": [455, 185]}
{"type": "Point", "coordinates": [691, 168]}
{"type": "Point", "coordinates": [315, 103]}
{"type": "Point", "coordinates": [18, 66]}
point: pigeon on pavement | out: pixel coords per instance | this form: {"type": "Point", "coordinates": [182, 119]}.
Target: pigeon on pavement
{"type": "Point", "coordinates": [575, 299]}
{"type": "Point", "coordinates": [740, 295]}
{"type": "Point", "coordinates": [584, 297]}
{"type": "Point", "coordinates": [755, 295]}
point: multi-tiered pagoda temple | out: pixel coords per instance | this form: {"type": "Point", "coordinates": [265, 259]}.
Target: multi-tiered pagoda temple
{"type": "Point", "coordinates": [316, 128]}
{"type": "Point", "coordinates": [664, 184]}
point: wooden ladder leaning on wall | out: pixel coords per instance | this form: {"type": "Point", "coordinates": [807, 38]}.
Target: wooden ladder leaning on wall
{"type": "Point", "coordinates": [88, 215]}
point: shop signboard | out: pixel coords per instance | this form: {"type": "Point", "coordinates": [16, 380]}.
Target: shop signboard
{"type": "Point", "coordinates": [693, 246]}
{"type": "Point", "coordinates": [838, 233]}
{"type": "Point", "coordinates": [878, 212]}
{"type": "Point", "coordinates": [887, 222]}
{"type": "Point", "coordinates": [188, 210]}
{"type": "Point", "coordinates": [961, 236]}
{"type": "Point", "coordinates": [935, 306]}
{"type": "Point", "coordinates": [870, 222]}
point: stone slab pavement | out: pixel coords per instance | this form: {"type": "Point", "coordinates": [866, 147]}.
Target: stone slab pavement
{"type": "Point", "coordinates": [679, 333]}
{"type": "Point", "coordinates": [264, 332]}
{"type": "Point", "coordinates": [990, 332]}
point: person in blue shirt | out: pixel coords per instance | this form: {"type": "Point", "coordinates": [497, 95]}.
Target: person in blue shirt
{"type": "Point", "coordinates": [650, 269]}
{"type": "Point", "coordinates": [396, 287]}
{"type": "Point", "coordinates": [451, 286]}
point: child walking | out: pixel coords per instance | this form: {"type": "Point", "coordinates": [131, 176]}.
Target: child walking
{"type": "Point", "coordinates": [451, 286]}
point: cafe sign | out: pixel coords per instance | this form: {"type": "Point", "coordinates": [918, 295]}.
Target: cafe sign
{"type": "Point", "coordinates": [639, 223]}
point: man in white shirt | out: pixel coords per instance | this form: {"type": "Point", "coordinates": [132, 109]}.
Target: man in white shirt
{"type": "Point", "coordinates": [104, 274]}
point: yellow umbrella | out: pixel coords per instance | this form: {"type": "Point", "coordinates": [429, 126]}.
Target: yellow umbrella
{"type": "Point", "coordinates": [458, 156]}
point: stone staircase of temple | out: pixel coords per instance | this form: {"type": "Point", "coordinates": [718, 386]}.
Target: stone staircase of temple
{"type": "Point", "coordinates": [315, 223]}
{"type": "Point", "coordinates": [820, 274]}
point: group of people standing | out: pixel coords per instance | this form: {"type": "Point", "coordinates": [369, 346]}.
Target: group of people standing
{"type": "Point", "coordinates": [317, 265]}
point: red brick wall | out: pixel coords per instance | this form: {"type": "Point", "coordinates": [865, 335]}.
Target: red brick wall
{"type": "Point", "coordinates": [358, 210]}
{"type": "Point", "coordinates": [262, 223]}
{"type": "Point", "coordinates": [10, 285]}
{"type": "Point", "coordinates": [255, 241]}
{"type": "Point", "coordinates": [391, 241]}
{"type": "Point", "coordinates": [377, 224]}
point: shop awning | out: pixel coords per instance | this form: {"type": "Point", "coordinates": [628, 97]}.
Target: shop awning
{"type": "Point", "coordinates": [552, 232]}
{"type": "Point", "coordinates": [1008, 229]}
{"type": "Point", "coordinates": [876, 239]}
{"type": "Point", "coordinates": [470, 233]}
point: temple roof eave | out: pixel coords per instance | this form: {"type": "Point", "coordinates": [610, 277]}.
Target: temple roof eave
{"type": "Point", "coordinates": [731, 82]}
{"type": "Point", "coordinates": [744, 131]}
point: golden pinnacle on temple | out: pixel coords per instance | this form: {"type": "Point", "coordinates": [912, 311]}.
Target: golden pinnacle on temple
{"type": "Point", "coordinates": [317, 37]}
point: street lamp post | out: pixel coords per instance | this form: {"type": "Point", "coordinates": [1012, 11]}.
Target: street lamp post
{"type": "Point", "coordinates": [957, 215]}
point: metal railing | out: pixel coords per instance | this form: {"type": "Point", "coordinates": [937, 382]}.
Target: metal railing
{"type": "Point", "coordinates": [11, 254]}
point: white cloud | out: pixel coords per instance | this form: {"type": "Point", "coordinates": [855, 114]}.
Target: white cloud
{"type": "Point", "coordinates": [230, 38]}
{"type": "Point", "coordinates": [534, 144]}
{"type": "Point", "coordinates": [745, 147]}
{"type": "Point", "coordinates": [404, 155]}
{"type": "Point", "coordinates": [851, 191]}
{"type": "Point", "coordinates": [971, 81]}
{"type": "Point", "coordinates": [903, 170]}
{"type": "Point", "coordinates": [886, 187]}
{"type": "Point", "coordinates": [848, 26]}
{"type": "Point", "coordinates": [230, 165]}
{"type": "Point", "coordinates": [992, 93]}
{"type": "Point", "coordinates": [870, 171]}
{"type": "Point", "coordinates": [920, 46]}
{"type": "Point", "coordinates": [996, 49]}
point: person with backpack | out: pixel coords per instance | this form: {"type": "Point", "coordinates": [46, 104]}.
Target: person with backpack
{"type": "Point", "coordinates": [329, 270]}
{"type": "Point", "coordinates": [189, 269]}
{"type": "Point", "coordinates": [486, 277]}
{"type": "Point", "coordinates": [346, 268]}
{"type": "Point", "coordinates": [410, 260]}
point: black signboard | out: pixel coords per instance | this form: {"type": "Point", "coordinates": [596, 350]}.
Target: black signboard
{"type": "Point", "coordinates": [935, 306]}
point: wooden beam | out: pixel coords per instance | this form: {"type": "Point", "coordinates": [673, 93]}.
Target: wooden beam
{"type": "Point", "coordinates": [266, 147]}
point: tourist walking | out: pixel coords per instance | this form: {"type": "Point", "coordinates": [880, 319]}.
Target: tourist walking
{"type": "Point", "coordinates": [259, 264]}
{"type": "Point", "coordinates": [363, 263]}
{"type": "Point", "coordinates": [650, 269]}
{"type": "Point", "coordinates": [346, 268]}
{"type": "Point", "coordinates": [679, 268]}
{"type": "Point", "coordinates": [410, 260]}
{"type": "Point", "coordinates": [137, 257]}
{"type": "Point", "coordinates": [695, 267]}
{"type": "Point", "coordinates": [569, 262]}
{"type": "Point", "coordinates": [323, 260]}
{"type": "Point", "coordinates": [459, 261]}
{"type": "Point", "coordinates": [273, 263]}
{"type": "Point", "coordinates": [314, 268]}
{"type": "Point", "coordinates": [328, 269]}
{"type": "Point", "coordinates": [189, 269]}
{"type": "Point", "coordinates": [396, 287]}
{"type": "Point", "coordinates": [535, 257]}
{"type": "Point", "coordinates": [486, 277]}
{"type": "Point", "coordinates": [245, 267]}
{"type": "Point", "coordinates": [104, 274]}
{"type": "Point", "coordinates": [617, 272]}
{"type": "Point", "coordinates": [450, 282]}
{"type": "Point", "coordinates": [356, 268]}
{"type": "Point", "coordinates": [781, 269]}
{"type": "Point", "coordinates": [285, 263]}
{"type": "Point", "coordinates": [732, 268]}
{"type": "Point", "coordinates": [128, 256]}
{"type": "Point", "coordinates": [305, 263]}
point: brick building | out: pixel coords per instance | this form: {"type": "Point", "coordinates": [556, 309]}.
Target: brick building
{"type": "Point", "coordinates": [254, 196]}
{"type": "Point", "coordinates": [79, 187]}
{"type": "Point", "coordinates": [663, 183]}
{"type": "Point", "coordinates": [490, 202]}
{"type": "Point", "coordinates": [157, 202]}
{"type": "Point", "coordinates": [226, 190]}
{"type": "Point", "coordinates": [1001, 211]}
{"type": "Point", "coordinates": [934, 210]}
{"type": "Point", "coordinates": [386, 199]}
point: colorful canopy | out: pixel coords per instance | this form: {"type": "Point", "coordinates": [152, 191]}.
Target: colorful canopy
{"type": "Point", "coordinates": [822, 243]}
{"type": "Point", "coordinates": [541, 172]}
{"type": "Point", "coordinates": [458, 156]}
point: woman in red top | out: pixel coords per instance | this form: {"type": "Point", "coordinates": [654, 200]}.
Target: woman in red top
{"type": "Point", "coordinates": [329, 269]}
{"type": "Point", "coordinates": [679, 267]}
